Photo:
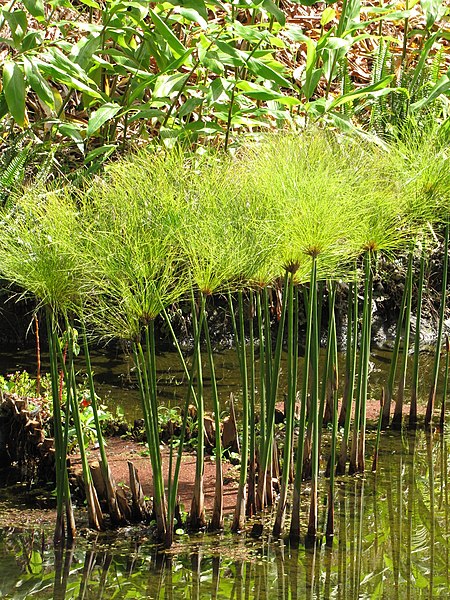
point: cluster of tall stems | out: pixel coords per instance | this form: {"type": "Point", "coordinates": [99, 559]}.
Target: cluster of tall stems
{"type": "Point", "coordinates": [295, 220]}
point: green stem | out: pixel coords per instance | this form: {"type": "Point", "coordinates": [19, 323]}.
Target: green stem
{"type": "Point", "coordinates": [415, 377]}
{"type": "Point", "coordinates": [312, 524]}
{"type": "Point", "coordinates": [288, 296]}
{"type": "Point", "coordinates": [432, 395]}
{"type": "Point", "coordinates": [398, 410]}
{"type": "Point", "coordinates": [239, 513]}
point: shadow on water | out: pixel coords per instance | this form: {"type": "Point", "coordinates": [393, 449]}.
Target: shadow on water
{"type": "Point", "coordinates": [392, 541]}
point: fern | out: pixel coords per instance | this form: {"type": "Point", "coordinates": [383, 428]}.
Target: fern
{"type": "Point", "coordinates": [12, 173]}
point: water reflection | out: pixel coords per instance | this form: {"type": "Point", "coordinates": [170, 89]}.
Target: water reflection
{"type": "Point", "coordinates": [392, 541]}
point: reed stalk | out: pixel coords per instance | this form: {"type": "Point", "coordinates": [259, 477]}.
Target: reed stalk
{"type": "Point", "coordinates": [251, 496]}
{"type": "Point", "coordinates": [367, 328]}
{"type": "Point", "coordinates": [60, 442]}
{"type": "Point", "coordinates": [352, 352]}
{"type": "Point", "coordinates": [288, 297]}
{"type": "Point", "coordinates": [412, 423]}
{"type": "Point", "coordinates": [217, 515]}
{"type": "Point", "coordinates": [334, 431]}
{"type": "Point", "coordinates": [272, 377]}
{"type": "Point", "coordinates": [314, 414]}
{"type": "Point", "coordinates": [197, 517]}
{"type": "Point", "coordinates": [238, 523]}
{"type": "Point", "coordinates": [397, 418]}
{"type": "Point", "coordinates": [95, 517]}
{"type": "Point", "coordinates": [117, 517]}
{"type": "Point", "coordinates": [394, 362]}
{"type": "Point", "coordinates": [146, 383]}
{"type": "Point", "coordinates": [437, 355]}
{"type": "Point", "coordinates": [445, 385]}
{"type": "Point", "coordinates": [379, 427]}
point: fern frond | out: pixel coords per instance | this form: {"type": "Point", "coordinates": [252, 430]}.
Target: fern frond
{"type": "Point", "coordinates": [13, 173]}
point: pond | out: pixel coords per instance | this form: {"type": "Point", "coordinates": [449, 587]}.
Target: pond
{"type": "Point", "coordinates": [391, 538]}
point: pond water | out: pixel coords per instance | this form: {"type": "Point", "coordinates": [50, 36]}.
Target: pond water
{"type": "Point", "coordinates": [392, 536]}
{"type": "Point", "coordinates": [115, 383]}
{"type": "Point", "coordinates": [392, 541]}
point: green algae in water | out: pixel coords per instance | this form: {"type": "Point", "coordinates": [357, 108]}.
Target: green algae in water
{"type": "Point", "coordinates": [392, 541]}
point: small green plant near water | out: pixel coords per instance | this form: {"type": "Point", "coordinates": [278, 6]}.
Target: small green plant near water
{"type": "Point", "coordinates": [22, 384]}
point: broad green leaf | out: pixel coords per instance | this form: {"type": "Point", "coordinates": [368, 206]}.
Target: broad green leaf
{"type": "Point", "coordinates": [17, 21]}
{"type": "Point", "coordinates": [35, 8]}
{"type": "Point", "coordinates": [381, 88]}
{"type": "Point", "coordinates": [229, 50]}
{"type": "Point", "coordinates": [104, 151]}
{"type": "Point", "coordinates": [15, 91]}
{"type": "Point", "coordinates": [83, 50]}
{"type": "Point", "coordinates": [167, 84]}
{"type": "Point", "coordinates": [276, 12]}
{"type": "Point", "coordinates": [35, 563]}
{"type": "Point", "coordinates": [61, 76]}
{"type": "Point", "coordinates": [101, 116]}
{"type": "Point", "coordinates": [146, 113]}
{"type": "Point", "coordinates": [74, 133]}
{"type": "Point", "coordinates": [190, 14]}
{"type": "Point", "coordinates": [31, 41]}
{"type": "Point", "coordinates": [61, 61]}
{"type": "Point", "coordinates": [38, 83]}
{"type": "Point", "coordinates": [189, 106]}
{"type": "Point", "coordinates": [172, 41]}
{"type": "Point", "coordinates": [260, 69]}
{"type": "Point", "coordinates": [259, 92]}
{"type": "Point", "coordinates": [295, 33]}
{"type": "Point", "coordinates": [327, 16]}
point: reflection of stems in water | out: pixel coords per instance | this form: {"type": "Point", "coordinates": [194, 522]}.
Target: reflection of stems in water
{"type": "Point", "coordinates": [62, 572]}
{"type": "Point", "coordinates": [432, 515]}
{"type": "Point", "coordinates": [416, 357]}
{"type": "Point", "coordinates": [342, 545]}
{"type": "Point", "coordinates": [215, 576]}
{"type": "Point", "coordinates": [392, 520]}
{"type": "Point", "coordinates": [279, 556]}
{"type": "Point", "coordinates": [432, 394]}
{"type": "Point", "coordinates": [293, 573]}
{"type": "Point", "coordinates": [249, 575]}
{"type": "Point", "coordinates": [236, 592]}
{"type": "Point", "coordinates": [360, 513]}
{"type": "Point", "coordinates": [310, 569]}
{"type": "Point", "coordinates": [445, 387]}
{"type": "Point", "coordinates": [107, 560]}
{"type": "Point", "coordinates": [196, 565]}
{"type": "Point", "coordinates": [409, 511]}
{"type": "Point", "coordinates": [89, 563]}
{"type": "Point", "coordinates": [328, 560]}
